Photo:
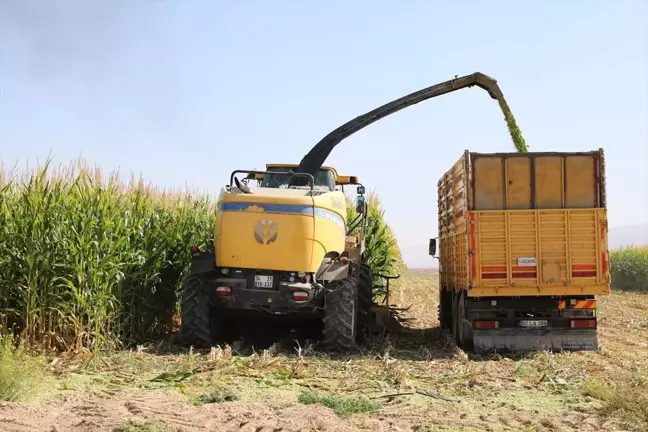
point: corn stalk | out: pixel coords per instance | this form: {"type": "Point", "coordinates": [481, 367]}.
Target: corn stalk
{"type": "Point", "coordinates": [88, 261]}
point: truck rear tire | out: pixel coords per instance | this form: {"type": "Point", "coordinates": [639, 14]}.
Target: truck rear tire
{"type": "Point", "coordinates": [199, 327]}
{"type": "Point", "coordinates": [445, 310]}
{"type": "Point", "coordinates": [456, 326]}
{"type": "Point", "coordinates": [465, 328]}
{"type": "Point", "coordinates": [340, 315]}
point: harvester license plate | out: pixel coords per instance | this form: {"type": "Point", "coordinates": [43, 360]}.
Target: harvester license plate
{"type": "Point", "coordinates": [534, 323]}
{"type": "Point", "coordinates": [263, 281]}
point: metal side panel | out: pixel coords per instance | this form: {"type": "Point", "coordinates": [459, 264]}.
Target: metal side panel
{"type": "Point", "coordinates": [488, 341]}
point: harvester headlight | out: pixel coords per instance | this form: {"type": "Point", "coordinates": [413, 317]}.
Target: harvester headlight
{"type": "Point", "coordinates": [292, 279]}
{"type": "Point", "coordinates": [301, 274]}
{"type": "Point", "coordinates": [225, 271]}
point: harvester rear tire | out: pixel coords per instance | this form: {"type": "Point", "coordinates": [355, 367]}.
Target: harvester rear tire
{"type": "Point", "coordinates": [366, 317]}
{"type": "Point", "coordinates": [198, 326]}
{"type": "Point", "coordinates": [340, 315]}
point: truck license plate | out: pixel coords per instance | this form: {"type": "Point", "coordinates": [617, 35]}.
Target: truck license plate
{"type": "Point", "coordinates": [534, 323]}
{"type": "Point", "coordinates": [263, 281]}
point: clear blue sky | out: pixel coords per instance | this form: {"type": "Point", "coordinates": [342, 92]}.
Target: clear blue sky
{"type": "Point", "coordinates": [184, 92]}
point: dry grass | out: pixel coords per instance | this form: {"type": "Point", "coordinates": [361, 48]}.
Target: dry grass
{"type": "Point", "coordinates": [419, 379]}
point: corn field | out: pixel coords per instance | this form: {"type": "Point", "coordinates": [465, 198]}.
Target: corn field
{"type": "Point", "coordinates": [88, 261]}
{"type": "Point", "coordinates": [629, 269]}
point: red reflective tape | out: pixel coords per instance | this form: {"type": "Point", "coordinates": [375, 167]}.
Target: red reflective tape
{"type": "Point", "coordinates": [583, 274]}
{"type": "Point", "coordinates": [493, 269]}
{"type": "Point", "coordinates": [584, 267]}
{"type": "Point", "coordinates": [493, 275]}
{"type": "Point", "coordinates": [524, 275]}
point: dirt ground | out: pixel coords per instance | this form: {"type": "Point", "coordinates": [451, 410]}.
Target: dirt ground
{"type": "Point", "coordinates": [420, 381]}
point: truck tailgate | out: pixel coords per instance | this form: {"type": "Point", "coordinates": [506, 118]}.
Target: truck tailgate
{"type": "Point", "coordinates": [538, 252]}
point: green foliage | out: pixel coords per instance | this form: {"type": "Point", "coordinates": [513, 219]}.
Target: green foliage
{"type": "Point", "coordinates": [514, 130]}
{"type": "Point", "coordinates": [382, 253]}
{"type": "Point", "coordinates": [629, 269]}
{"type": "Point", "coordinates": [21, 375]}
{"type": "Point", "coordinates": [341, 406]}
{"type": "Point", "coordinates": [88, 261]}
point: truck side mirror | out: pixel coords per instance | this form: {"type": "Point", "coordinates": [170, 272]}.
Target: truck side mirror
{"type": "Point", "coordinates": [432, 248]}
{"type": "Point", "coordinates": [360, 205]}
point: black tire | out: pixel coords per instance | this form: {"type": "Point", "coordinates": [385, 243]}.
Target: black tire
{"type": "Point", "coordinates": [340, 315]}
{"type": "Point", "coordinates": [443, 320]}
{"type": "Point", "coordinates": [455, 319]}
{"type": "Point", "coordinates": [465, 330]}
{"type": "Point", "coordinates": [366, 317]}
{"type": "Point", "coordinates": [197, 324]}
{"type": "Point", "coordinates": [445, 309]}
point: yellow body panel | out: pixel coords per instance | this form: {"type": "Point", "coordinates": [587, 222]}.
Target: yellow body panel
{"type": "Point", "coordinates": [508, 229]}
{"type": "Point", "coordinates": [278, 231]}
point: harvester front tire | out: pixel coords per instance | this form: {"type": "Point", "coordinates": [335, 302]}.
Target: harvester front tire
{"type": "Point", "coordinates": [340, 315]}
{"type": "Point", "coordinates": [197, 325]}
{"type": "Point", "coordinates": [366, 317]}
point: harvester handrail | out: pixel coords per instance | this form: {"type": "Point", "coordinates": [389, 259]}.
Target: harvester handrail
{"type": "Point", "coordinates": [314, 159]}
{"type": "Point", "coordinates": [289, 173]}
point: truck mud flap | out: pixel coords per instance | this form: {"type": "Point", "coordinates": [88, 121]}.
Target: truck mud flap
{"type": "Point", "coordinates": [502, 340]}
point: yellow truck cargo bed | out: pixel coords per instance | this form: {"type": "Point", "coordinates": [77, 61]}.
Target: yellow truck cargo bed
{"type": "Point", "coordinates": [524, 224]}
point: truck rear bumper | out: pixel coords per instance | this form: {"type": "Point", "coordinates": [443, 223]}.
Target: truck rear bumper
{"type": "Point", "coordinates": [514, 339]}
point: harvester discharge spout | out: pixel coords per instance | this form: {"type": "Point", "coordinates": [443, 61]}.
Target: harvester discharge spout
{"type": "Point", "coordinates": [314, 159]}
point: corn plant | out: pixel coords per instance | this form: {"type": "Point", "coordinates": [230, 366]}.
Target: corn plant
{"type": "Point", "coordinates": [88, 260]}
{"type": "Point", "coordinates": [382, 253]}
{"type": "Point", "coordinates": [629, 269]}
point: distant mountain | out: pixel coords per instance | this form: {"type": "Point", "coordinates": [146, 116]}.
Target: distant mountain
{"type": "Point", "coordinates": [416, 256]}
{"type": "Point", "coordinates": [636, 235]}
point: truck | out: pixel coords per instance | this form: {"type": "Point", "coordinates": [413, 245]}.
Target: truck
{"type": "Point", "coordinates": [522, 250]}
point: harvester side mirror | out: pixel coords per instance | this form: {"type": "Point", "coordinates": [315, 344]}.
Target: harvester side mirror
{"type": "Point", "coordinates": [361, 190]}
{"type": "Point", "coordinates": [433, 247]}
{"type": "Point", "coordinates": [360, 204]}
